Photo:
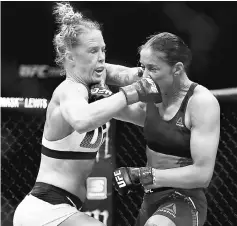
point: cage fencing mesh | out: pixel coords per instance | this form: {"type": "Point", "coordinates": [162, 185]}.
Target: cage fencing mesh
{"type": "Point", "coordinates": [21, 135]}
{"type": "Point", "coordinates": [221, 193]}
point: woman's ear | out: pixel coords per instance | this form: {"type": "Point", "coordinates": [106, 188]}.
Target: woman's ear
{"type": "Point", "coordinates": [69, 56]}
{"type": "Point", "coordinates": [178, 68]}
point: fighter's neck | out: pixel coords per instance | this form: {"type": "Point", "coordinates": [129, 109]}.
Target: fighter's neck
{"type": "Point", "coordinates": [74, 78]}
{"type": "Point", "coordinates": [171, 94]}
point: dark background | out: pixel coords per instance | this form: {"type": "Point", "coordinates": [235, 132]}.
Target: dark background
{"type": "Point", "coordinates": [27, 30]}
{"type": "Point", "coordinates": [209, 28]}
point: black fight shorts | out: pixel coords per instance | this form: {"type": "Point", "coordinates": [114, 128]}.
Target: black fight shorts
{"type": "Point", "coordinates": [183, 207]}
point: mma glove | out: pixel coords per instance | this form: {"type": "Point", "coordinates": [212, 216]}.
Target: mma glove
{"type": "Point", "coordinates": [125, 178]}
{"type": "Point", "coordinates": [98, 92]}
{"type": "Point", "coordinates": [144, 90]}
{"type": "Point", "coordinates": [140, 72]}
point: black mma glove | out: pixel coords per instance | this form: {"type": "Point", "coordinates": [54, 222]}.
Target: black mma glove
{"type": "Point", "coordinates": [140, 72]}
{"type": "Point", "coordinates": [125, 177]}
{"type": "Point", "coordinates": [98, 92]}
{"type": "Point", "coordinates": [144, 90]}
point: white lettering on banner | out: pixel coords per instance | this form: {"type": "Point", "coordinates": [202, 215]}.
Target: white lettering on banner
{"type": "Point", "coordinates": [98, 215]}
{"type": "Point", "coordinates": [107, 141]}
{"type": "Point", "coordinates": [106, 149]}
{"type": "Point", "coordinates": [11, 102]}
{"type": "Point", "coordinates": [32, 70]}
{"type": "Point", "coordinates": [35, 103]}
{"type": "Point", "coordinates": [96, 188]}
{"type": "Point", "coordinates": [20, 102]}
{"type": "Point", "coordinates": [40, 71]}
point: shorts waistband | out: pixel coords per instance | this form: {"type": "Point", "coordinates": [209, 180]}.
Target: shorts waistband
{"type": "Point", "coordinates": [150, 191]}
{"type": "Point", "coordinates": [55, 195]}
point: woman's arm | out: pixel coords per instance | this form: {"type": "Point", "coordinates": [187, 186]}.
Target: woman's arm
{"type": "Point", "coordinates": [84, 117]}
{"type": "Point", "coordinates": [118, 75]}
{"type": "Point", "coordinates": [135, 114]}
{"type": "Point", "coordinates": [205, 131]}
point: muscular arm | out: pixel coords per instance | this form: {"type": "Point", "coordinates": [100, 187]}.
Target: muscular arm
{"type": "Point", "coordinates": [205, 119]}
{"type": "Point", "coordinates": [84, 117]}
{"type": "Point", "coordinates": [118, 75]}
{"type": "Point", "coordinates": [135, 113]}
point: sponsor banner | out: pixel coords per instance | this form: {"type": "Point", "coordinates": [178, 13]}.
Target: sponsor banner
{"type": "Point", "coordinates": [99, 200]}
{"type": "Point", "coordinates": [23, 103]}
{"type": "Point", "coordinates": [39, 71]}
{"type": "Point", "coordinates": [101, 215]}
{"type": "Point", "coordinates": [96, 188]}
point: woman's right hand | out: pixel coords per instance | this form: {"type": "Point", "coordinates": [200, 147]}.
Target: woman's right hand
{"type": "Point", "coordinates": [144, 90]}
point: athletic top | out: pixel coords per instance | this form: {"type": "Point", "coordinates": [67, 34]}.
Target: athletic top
{"type": "Point", "coordinates": [169, 139]}
{"type": "Point", "coordinates": [75, 145]}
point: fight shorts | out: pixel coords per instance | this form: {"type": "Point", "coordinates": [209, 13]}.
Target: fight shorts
{"type": "Point", "coordinates": [46, 205]}
{"type": "Point", "coordinates": [185, 207]}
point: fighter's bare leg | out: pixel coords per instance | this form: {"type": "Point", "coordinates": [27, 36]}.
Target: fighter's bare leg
{"type": "Point", "coordinates": [81, 219]}
{"type": "Point", "coordinates": [159, 220]}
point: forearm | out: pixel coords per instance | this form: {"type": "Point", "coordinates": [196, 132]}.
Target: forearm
{"type": "Point", "coordinates": [100, 112]}
{"type": "Point", "coordinates": [188, 177]}
{"type": "Point", "coordinates": [118, 75]}
{"type": "Point", "coordinates": [184, 177]}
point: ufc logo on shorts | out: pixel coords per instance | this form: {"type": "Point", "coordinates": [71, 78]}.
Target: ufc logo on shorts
{"type": "Point", "coordinates": [119, 179]}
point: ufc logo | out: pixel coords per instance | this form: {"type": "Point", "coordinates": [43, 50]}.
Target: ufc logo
{"type": "Point", "coordinates": [31, 70]}
{"type": "Point", "coordinates": [119, 179]}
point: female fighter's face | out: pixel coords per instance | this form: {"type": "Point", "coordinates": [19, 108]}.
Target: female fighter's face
{"type": "Point", "coordinates": [154, 66]}
{"type": "Point", "coordinates": [89, 57]}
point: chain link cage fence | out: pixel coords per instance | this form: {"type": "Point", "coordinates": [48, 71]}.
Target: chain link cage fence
{"type": "Point", "coordinates": [221, 193]}
{"type": "Point", "coordinates": [21, 135]}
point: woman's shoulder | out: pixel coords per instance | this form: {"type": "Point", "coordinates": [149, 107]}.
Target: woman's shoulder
{"type": "Point", "coordinates": [202, 93]}
{"type": "Point", "coordinates": [68, 87]}
{"type": "Point", "coordinates": [203, 98]}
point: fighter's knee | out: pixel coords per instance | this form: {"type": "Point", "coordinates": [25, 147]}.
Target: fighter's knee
{"type": "Point", "coordinates": [94, 223]}
{"type": "Point", "coordinates": [98, 224]}
{"type": "Point", "coordinates": [81, 219]}
{"type": "Point", "coordinates": [159, 220]}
